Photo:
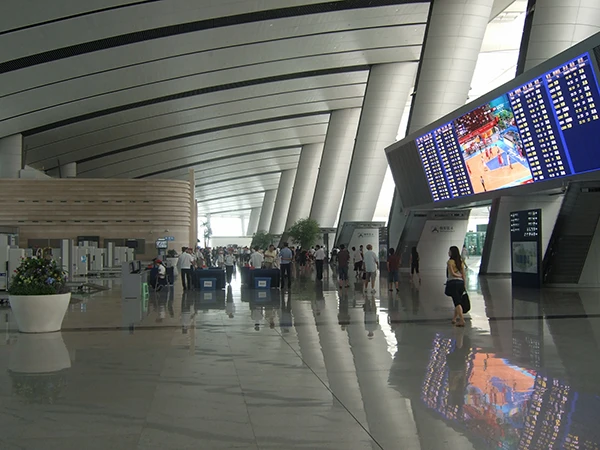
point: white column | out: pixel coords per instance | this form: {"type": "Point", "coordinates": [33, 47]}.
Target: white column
{"type": "Point", "coordinates": [11, 156]}
{"type": "Point", "coordinates": [454, 37]}
{"type": "Point", "coordinates": [253, 221]}
{"type": "Point", "coordinates": [69, 170]}
{"type": "Point", "coordinates": [193, 235]}
{"type": "Point", "coordinates": [558, 25]}
{"type": "Point", "coordinates": [282, 201]}
{"type": "Point", "coordinates": [388, 88]}
{"type": "Point", "coordinates": [447, 66]}
{"type": "Point", "coordinates": [266, 212]}
{"type": "Point", "coordinates": [335, 165]}
{"type": "Point", "coordinates": [306, 181]}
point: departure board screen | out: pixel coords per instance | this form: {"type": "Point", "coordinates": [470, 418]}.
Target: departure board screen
{"type": "Point", "coordinates": [546, 128]}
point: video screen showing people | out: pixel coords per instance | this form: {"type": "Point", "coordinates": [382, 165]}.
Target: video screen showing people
{"type": "Point", "coordinates": [492, 148]}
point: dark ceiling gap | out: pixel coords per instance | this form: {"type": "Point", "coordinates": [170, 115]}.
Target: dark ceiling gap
{"type": "Point", "coordinates": [215, 49]}
{"type": "Point", "coordinates": [251, 178]}
{"type": "Point", "coordinates": [211, 130]}
{"type": "Point", "coordinates": [181, 95]}
{"type": "Point", "coordinates": [212, 199]}
{"type": "Point", "coordinates": [217, 160]}
{"type": "Point", "coordinates": [190, 27]}
{"type": "Point", "coordinates": [241, 189]}
{"type": "Point", "coordinates": [31, 148]}
{"type": "Point", "coordinates": [76, 16]}
{"type": "Point", "coordinates": [126, 107]}
{"type": "Point", "coordinates": [242, 177]}
{"type": "Point", "coordinates": [198, 163]}
{"type": "Point", "coordinates": [201, 154]}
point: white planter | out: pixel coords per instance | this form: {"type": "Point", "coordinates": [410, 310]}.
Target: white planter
{"type": "Point", "coordinates": [39, 313]}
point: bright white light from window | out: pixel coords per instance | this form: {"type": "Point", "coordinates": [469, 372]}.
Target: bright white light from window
{"type": "Point", "coordinates": [226, 226]}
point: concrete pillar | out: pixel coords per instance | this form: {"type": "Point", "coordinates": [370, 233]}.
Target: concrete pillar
{"type": "Point", "coordinates": [306, 181]}
{"type": "Point", "coordinates": [449, 58]}
{"type": "Point", "coordinates": [282, 201]}
{"type": "Point", "coordinates": [266, 212]}
{"type": "Point", "coordinates": [388, 88]}
{"type": "Point", "coordinates": [193, 237]}
{"type": "Point", "coordinates": [11, 156]}
{"type": "Point", "coordinates": [558, 25]}
{"type": "Point", "coordinates": [444, 79]}
{"type": "Point", "coordinates": [253, 221]}
{"type": "Point", "coordinates": [69, 170]}
{"type": "Point", "coordinates": [335, 165]}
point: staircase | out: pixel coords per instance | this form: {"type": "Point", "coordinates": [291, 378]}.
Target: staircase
{"type": "Point", "coordinates": [573, 233]}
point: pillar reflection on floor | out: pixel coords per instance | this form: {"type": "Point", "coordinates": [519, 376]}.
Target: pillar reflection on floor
{"type": "Point", "coordinates": [314, 366]}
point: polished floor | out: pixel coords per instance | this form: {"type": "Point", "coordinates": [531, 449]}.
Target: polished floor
{"type": "Point", "coordinates": [313, 368]}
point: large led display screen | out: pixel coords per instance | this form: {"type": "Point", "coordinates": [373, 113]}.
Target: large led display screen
{"type": "Point", "coordinates": [546, 128]}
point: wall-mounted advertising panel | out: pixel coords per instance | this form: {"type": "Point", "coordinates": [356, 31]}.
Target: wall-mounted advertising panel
{"type": "Point", "coordinates": [541, 130]}
{"type": "Point", "coordinates": [526, 247]}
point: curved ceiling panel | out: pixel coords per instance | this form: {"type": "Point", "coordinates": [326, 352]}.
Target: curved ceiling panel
{"type": "Point", "coordinates": [205, 120]}
{"type": "Point", "coordinates": [192, 152]}
{"type": "Point", "coordinates": [209, 108]}
{"type": "Point", "coordinates": [233, 90]}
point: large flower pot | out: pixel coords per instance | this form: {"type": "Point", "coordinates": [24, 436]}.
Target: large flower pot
{"type": "Point", "coordinates": [39, 313]}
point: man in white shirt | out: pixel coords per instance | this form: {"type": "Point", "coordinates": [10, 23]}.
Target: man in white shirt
{"type": "Point", "coordinates": [229, 262]}
{"type": "Point", "coordinates": [256, 258]}
{"type": "Point", "coordinates": [371, 266]}
{"type": "Point", "coordinates": [319, 259]}
{"type": "Point", "coordinates": [186, 263]}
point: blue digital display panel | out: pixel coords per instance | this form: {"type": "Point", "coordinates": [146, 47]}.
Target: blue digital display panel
{"type": "Point", "coordinates": [545, 129]}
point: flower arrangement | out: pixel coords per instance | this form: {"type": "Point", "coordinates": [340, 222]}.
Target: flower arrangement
{"type": "Point", "coordinates": [38, 276]}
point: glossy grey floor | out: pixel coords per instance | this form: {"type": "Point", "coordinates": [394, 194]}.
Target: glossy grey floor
{"type": "Point", "coordinates": [313, 368]}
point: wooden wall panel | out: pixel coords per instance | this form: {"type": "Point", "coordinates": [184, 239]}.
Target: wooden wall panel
{"type": "Point", "coordinates": [117, 209]}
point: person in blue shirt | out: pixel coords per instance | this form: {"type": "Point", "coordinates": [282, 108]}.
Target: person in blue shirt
{"type": "Point", "coordinates": [286, 256]}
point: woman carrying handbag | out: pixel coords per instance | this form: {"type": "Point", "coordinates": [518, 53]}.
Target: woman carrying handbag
{"type": "Point", "coordinates": [455, 284]}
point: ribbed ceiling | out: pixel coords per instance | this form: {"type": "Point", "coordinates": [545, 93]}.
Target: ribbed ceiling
{"type": "Point", "coordinates": [153, 88]}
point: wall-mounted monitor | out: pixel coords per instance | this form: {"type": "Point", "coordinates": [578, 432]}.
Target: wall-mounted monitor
{"type": "Point", "coordinates": [162, 244]}
{"type": "Point", "coordinates": [536, 128]}
{"type": "Point", "coordinates": [544, 129]}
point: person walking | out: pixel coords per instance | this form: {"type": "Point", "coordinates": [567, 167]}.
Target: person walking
{"type": "Point", "coordinates": [393, 266]}
{"type": "Point", "coordinates": [229, 262]}
{"type": "Point", "coordinates": [464, 254]}
{"type": "Point", "coordinates": [319, 260]}
{"type": "Point", "coordinates": [358, 260]}
{"type": "Point", "coordinates": [186, 263]}
{"type": "Point", "coordinates": [343, 260]}
{"type": "Point", "coordinates": [285, 263]}
{"type": "Point", "coordinates": [371, 263]}
{"type": "Point", "coordinates": [455, 284]}
{"type": "Point", "coordinates": [414, 264]}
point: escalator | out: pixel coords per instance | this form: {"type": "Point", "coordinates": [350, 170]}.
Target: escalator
{"type": "Point", "coordinates": [573, 234]}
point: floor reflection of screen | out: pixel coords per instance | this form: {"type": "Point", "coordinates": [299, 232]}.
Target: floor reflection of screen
{"type": "Point", "coordinates": [506, 406]}
{"type": "Point", "coordinates": [525, 257]}
{"type": "Point", "coordinates": [497, 398]}
{"type": "Point", "coordinates": [492, 147]}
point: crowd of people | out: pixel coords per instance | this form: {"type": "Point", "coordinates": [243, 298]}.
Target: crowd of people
{"type": "Point", "coordinates": [364, 261]}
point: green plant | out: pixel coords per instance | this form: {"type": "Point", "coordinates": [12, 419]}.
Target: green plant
{"type": "Point", "coordinates": [38, 276]}
{"type": "Point", "coordinates": [262, 239]}
{"type": "Point", "coordinates": [305, 232]}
